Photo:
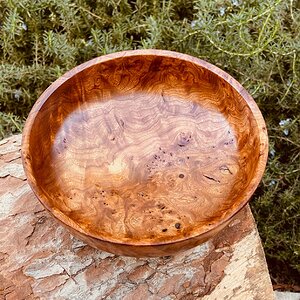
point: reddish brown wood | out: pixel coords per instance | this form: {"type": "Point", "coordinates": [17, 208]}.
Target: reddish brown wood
{"type": "Point", "coordinates": [146, 152]}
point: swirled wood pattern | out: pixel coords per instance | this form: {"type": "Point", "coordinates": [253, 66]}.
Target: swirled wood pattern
{"type": "Point", "coordinates": [144, 152]}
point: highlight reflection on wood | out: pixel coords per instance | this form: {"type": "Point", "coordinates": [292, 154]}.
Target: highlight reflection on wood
{"type": "Point", "coordinates": [146, 152]}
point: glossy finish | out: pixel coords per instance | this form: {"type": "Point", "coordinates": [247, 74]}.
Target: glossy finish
{"type": "Point", "coordinates": [144, 153]}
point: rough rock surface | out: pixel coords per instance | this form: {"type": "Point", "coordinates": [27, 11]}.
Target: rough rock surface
{"type": "Point", "coordinates": [39, 259]}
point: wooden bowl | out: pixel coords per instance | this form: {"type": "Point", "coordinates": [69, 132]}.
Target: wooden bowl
{"type": "Point", "coordinates": [145, 152]}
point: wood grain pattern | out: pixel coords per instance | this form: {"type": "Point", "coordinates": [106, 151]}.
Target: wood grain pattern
{"type": "Point", "coordinates": [144, 152]}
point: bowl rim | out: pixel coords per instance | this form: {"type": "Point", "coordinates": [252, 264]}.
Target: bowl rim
{"type": "Point", "coordinates": [64, 219]}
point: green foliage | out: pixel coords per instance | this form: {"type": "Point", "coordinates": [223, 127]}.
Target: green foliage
{"type": "Point", "coordinates": [255, 41]}
{"type": "Point", "coordinates": [10, 122]}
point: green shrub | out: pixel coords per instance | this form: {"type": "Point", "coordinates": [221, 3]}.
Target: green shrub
{"type": "Point", "coordinates": [255, 41]}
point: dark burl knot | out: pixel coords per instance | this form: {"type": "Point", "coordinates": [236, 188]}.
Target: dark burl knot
{"type": "Point", "coordinates": [177, 225]}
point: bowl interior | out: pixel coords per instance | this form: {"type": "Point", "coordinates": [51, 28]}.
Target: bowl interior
{"type": "Point", "coordinates": [144, 149]}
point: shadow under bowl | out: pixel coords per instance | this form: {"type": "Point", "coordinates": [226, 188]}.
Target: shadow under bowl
{"type": "Point", "coordinates": [144, 152]}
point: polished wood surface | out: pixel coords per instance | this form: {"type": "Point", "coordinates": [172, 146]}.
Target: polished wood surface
{"type": "Point", "coordinates": [146, 152]}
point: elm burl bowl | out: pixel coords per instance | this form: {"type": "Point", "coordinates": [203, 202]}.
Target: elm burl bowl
{"type": "Point", "coordinates": [145, 152]}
